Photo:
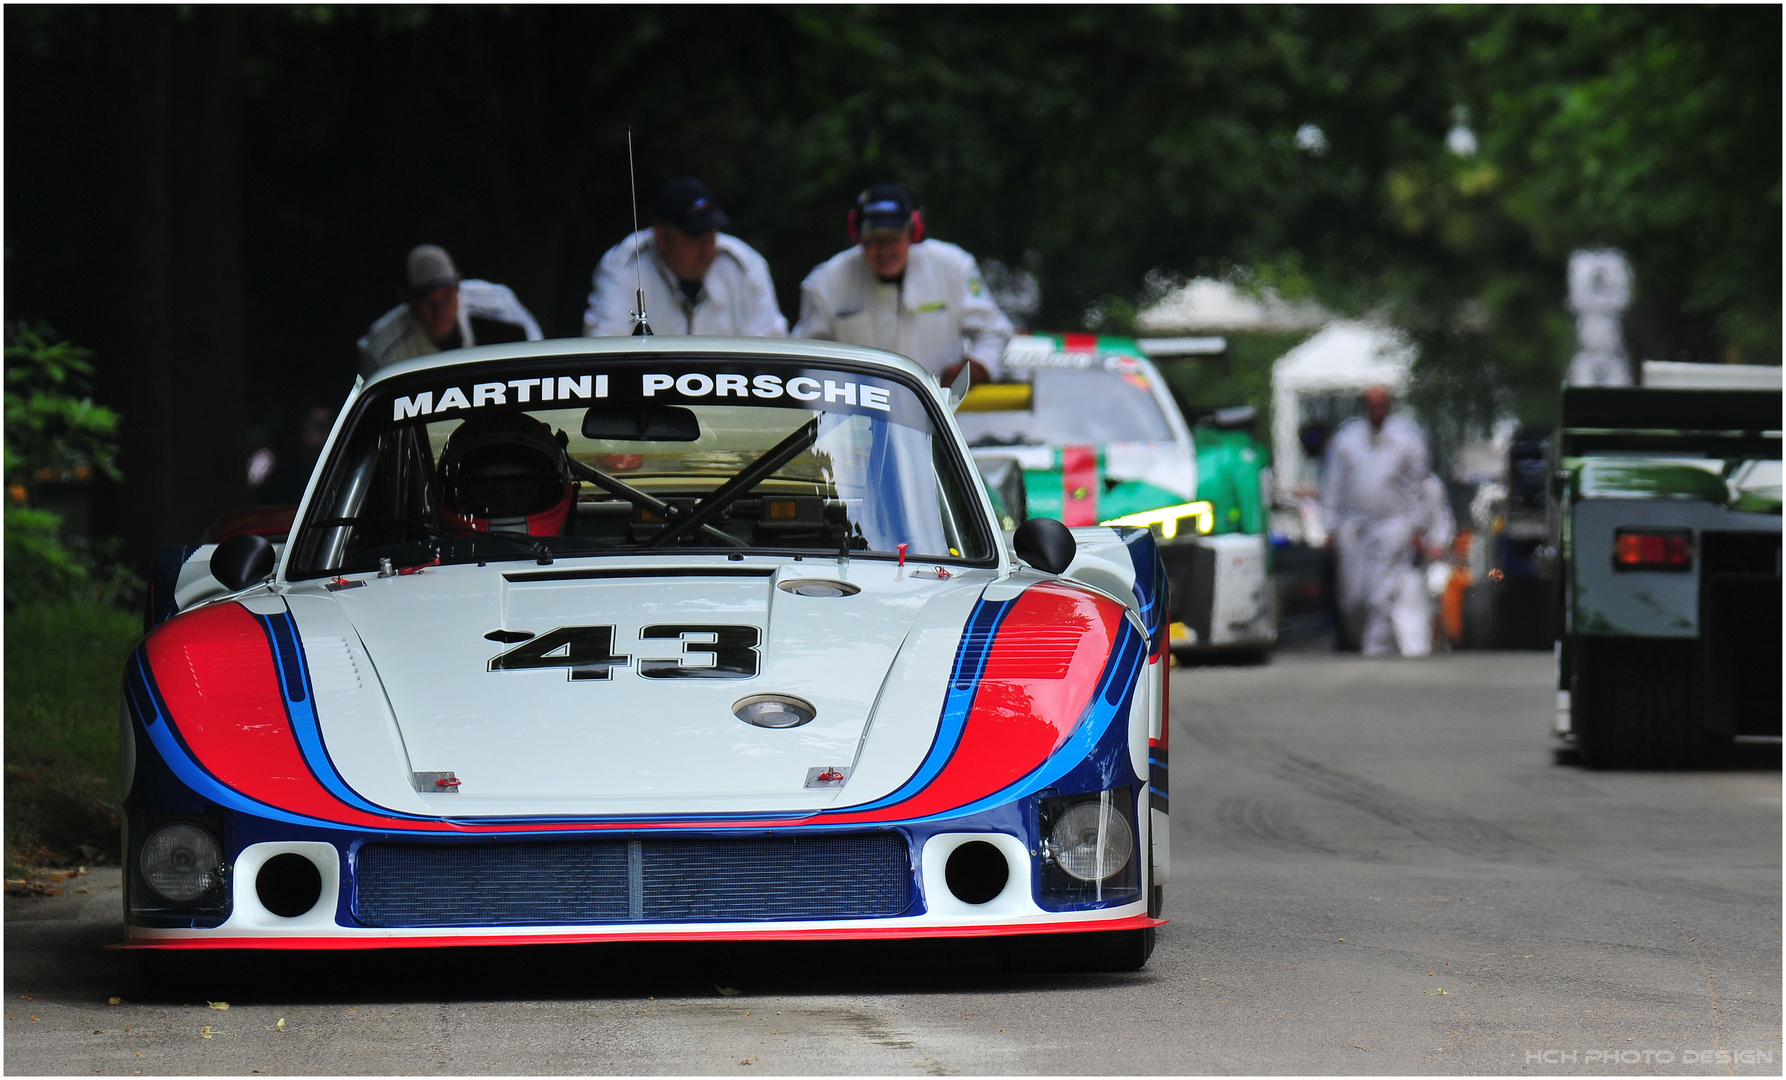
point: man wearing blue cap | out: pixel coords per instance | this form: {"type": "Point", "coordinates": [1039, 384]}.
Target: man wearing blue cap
{"type": "Point", "coordinates": [697, 280]}
{"type": "Point", "coordinates": [897, 290]}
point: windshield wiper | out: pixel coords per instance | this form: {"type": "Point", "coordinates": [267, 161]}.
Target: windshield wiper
{"type": "Point", "coordinates": [643, 500]}
{"type": "Point", "coordinates": [749, 477]}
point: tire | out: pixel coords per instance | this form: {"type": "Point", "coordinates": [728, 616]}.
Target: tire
{"type": "Point", "coordinates": [1103, 951]}
{"type": "Point", "coordinates": [1635, 702]}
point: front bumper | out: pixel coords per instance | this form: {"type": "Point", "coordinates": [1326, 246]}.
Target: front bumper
{"type": "Point", "coordinates": [655, 896]}
{"type": "Point", "coordinates": [911, 895]}
{"type": "Point", "coordinates": [1221, 592]}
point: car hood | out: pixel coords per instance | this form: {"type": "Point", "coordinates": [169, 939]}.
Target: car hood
{"type": "Point", "coordinates": [435, 673]}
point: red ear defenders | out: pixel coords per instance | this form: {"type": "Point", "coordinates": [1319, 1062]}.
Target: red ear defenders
{"type": "Point", "coordinates": [852, 226]}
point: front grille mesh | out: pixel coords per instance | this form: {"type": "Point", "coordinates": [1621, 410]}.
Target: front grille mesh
{"type": "Point", "coordinates": [654, 881]}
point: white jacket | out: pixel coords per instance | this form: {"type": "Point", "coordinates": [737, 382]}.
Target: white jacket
{"type": "Point", "coordinates": [1374, 475]}
{"type": "Point", "coordinates": [395, 336]}
{"type": "Point", "coordinates": [737, 298]}
{"type": "Point", "coordinates": [940, 312]}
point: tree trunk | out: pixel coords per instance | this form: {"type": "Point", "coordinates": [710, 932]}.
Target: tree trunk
{"type": "Point", "coordinates": [172, 348]}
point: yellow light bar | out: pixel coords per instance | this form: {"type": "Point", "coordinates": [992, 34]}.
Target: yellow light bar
{"type": "Point", "coordinates": [998, 397]}
{"type": "Point", "coordinates": [1168, 517]}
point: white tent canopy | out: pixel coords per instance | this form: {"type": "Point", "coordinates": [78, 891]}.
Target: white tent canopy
{"type": "Point", "coordinates": [1208, 304]}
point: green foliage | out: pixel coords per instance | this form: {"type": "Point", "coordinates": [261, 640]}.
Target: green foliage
{"type": "Point", "coordinates": [55, 433]}
{"type": "Point", "coordinates": [1653, 129]}
{"type": "Point", "coordinates": [1107, 142]}
{"type": "Point", "coordinates": [53, 429]}
{"type": "Point", "coordinates": [39, 566]}
{"type": "Point", "coordinates": [63, 663]}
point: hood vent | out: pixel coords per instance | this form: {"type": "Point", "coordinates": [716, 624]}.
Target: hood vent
{"type": "Point", "coordinates": [332, 667]}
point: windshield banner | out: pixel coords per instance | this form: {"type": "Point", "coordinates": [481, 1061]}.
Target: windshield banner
{"type": "Point", "coordinates": [783, 386]}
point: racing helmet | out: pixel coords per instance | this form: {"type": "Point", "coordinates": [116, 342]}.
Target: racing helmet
{"type": "Point", "coordinates": [506, 471]}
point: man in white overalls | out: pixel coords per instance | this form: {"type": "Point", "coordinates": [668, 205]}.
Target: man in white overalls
{"type": "Point", "coordinates": [1373, 502]}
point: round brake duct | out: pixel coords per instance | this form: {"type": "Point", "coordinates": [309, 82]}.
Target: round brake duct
{"type": "Point", "coordinates": [288, 885]}
{"type": "Point", "coordinates": [976, 872]}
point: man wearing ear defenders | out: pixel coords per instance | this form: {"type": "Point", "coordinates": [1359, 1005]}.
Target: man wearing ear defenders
{"type": "Point", "coordinates": [897, 290]}
{"type": "Point", "coordinates": [697, 280]}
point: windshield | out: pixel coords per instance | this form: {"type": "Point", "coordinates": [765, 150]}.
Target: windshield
{"type": "Point", "coordinates": [1107, 402]}
{"type": "Point", "coordinates": [630, 456]}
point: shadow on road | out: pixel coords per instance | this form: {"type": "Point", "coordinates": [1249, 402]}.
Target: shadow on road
{"type": "Point", "coordinates": [1737, 757]}
{"type": "Point", "coordinates": [583, 972]}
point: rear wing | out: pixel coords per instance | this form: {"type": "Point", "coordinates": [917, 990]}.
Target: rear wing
{"type": "Point", "coordinates": [1716, 423]}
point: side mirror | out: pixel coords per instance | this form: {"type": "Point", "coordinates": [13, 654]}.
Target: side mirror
{"type": "Point", "coordinates": [959, 388]}
{"type": "Point", "coordinates": [1238, 418]}
{"type": "Point", "coordinates": [242, 560]}
{"type": "Point", "coordinates": [1045, 544]}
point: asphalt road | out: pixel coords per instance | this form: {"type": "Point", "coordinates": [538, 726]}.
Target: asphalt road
{"type": "Point", "coordinates": [1380, 868]}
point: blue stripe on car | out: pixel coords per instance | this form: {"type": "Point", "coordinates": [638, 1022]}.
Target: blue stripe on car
{"type": "Point", "coordinates": [1108, 702]}
{"type": "Point", "coordinates": [1112, 701]}
{"type": "Point", "coordinates": [300, 709]}
{"type": "Point", "coordinates": [152, 711]}
{"type": "Point", "coordinates": [1150, 582]}
{"type": "Point", "coordinates": [964, 682]}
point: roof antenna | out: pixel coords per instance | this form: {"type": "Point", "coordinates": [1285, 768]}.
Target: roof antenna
{"type": "Point", "coordinates": [641, 320]}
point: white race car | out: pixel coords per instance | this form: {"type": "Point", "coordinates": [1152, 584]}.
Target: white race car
{"type": "Point", "coordinates": [651, 639]}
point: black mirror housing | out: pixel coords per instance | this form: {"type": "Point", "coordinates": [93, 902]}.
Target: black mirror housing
{"type": "Point", "coordinates": [1045, 544]}
{"type": "Point", "coordinates": [242, 560]}
{"type": "Point", "coordinates": [1238, 418]}
{"type": "Point", "coordinates": [643, 423]}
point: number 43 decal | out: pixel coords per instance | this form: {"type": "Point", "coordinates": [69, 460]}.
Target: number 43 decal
{"type": "Point", "coordinates": [717, 652]}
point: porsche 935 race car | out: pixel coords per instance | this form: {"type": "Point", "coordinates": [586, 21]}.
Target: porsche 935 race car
{"type": "Point", "coordinates": [1093, 426]}
{"type": "Point", "coordinates": [651, 639]}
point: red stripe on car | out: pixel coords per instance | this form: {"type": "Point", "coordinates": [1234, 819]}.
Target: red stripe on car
{"type": "Point", "coordinates": [387, 940]}
{"type": "Point", "coordinates": [1079, 485]}
{"type": "Point", "coordinates": [214, 668]}
{"type": "Point", "coordinates": [1043, 669]}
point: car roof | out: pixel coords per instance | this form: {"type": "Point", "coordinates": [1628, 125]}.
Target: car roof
{"type": "Point", "coordinates": [667, 346]}
{"type": "Point", "coordinates": [1101, 344]}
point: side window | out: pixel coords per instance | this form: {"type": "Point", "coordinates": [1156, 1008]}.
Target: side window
{"type": "Point", "coordinates": [399, 489]}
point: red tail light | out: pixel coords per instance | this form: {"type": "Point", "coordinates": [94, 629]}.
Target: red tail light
{"type": "Point", "coordinates": [1653, 549]}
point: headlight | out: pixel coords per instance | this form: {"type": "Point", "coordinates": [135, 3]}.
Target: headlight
{"type": "Point", "coordinates": [1092, 840]}
{"type": "Point", "coordinates": [180, 861]}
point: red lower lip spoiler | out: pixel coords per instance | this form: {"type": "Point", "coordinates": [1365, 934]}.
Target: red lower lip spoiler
{"type": "Point", "coordinates": [1132, 922]}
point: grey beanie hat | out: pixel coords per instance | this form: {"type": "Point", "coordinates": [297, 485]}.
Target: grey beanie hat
{"type": "Point", "coordinates": [428, 267]}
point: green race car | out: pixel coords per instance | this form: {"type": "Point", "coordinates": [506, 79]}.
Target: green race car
{"type": "Point", "coordinates": [1090, 425]}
